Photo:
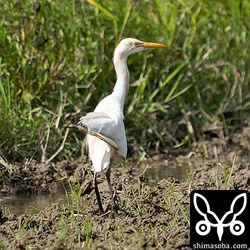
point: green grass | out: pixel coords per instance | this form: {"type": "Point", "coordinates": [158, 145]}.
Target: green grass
{"type": "Point", "coordinates": [56, 65]}
{"type": "Point", "coordinates": [83, 227]}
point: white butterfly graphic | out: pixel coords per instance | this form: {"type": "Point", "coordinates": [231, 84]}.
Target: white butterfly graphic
{"type": "Point", "coordinates": [203, 227]}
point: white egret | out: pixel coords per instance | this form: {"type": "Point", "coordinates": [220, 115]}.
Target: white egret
{"type": "Point", "coordinates": [106, 139]}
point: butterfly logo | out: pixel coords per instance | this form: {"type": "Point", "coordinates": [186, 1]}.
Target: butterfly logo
{"type": "Point", "coordinates": [229, 219]}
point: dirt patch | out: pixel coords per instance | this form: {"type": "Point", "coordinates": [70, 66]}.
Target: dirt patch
{"type": "Point", "coordinates": [151, 217]}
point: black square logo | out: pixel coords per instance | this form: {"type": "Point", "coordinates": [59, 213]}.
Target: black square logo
{"type": "Point", "coordinates": [219, 219]}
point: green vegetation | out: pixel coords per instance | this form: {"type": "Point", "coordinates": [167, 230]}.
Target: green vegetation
{"type": "Point", "coordinates": [56, 65]}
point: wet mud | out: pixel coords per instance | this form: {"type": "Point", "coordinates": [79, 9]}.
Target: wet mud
{"type": "Point", "coordinates": [152, 215]}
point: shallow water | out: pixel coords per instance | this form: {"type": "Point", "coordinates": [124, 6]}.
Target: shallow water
{"type": "Point", "coordinates": [158, 170]}
{"type": "Point", "coordinates": [153, 169]}
{"type": "Point", "coordinates": [32, 204]}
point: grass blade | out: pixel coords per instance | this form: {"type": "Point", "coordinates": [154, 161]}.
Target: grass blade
{"type": "Point", "coordinates": [168, 79]}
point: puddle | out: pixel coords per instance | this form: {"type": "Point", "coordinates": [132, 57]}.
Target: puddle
{"type": "Point", "coordinates": [31, 204]}
{"type": "Point", "coordinates": [182, 168]}
{"type": "Point", "coordinates": [158, 170]}
{"type": "Point", "coordinates": [155, 170]}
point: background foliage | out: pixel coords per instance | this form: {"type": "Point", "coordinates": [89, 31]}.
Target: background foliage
{"type": "Point", "coordinates": [56, 65]}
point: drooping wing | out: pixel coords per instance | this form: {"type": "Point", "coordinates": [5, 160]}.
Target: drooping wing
{"type": "Point", "coordinates": [97, 122]}
{"type": "Point", "coordinates": [102, 126]}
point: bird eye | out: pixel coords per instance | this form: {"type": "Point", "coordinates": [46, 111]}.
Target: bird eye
{"type": "Point", "coordinates": [136, 44]}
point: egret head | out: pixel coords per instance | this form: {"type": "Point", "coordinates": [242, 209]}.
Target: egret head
{"type": "Point", "coordinates": [129, 46]}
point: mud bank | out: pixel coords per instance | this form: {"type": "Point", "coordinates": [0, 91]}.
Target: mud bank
{"type": "Point", "coordinates": [150, 216]}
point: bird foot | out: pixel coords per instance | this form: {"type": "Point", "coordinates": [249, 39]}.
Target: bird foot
{"type": "Point", "coordinates": [114, 207]}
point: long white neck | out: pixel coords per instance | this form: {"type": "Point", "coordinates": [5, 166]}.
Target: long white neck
{"type": "Point", "coordinates": [122, 84]}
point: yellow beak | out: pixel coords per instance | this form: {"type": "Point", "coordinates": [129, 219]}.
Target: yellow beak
{"type": "Point", "coordinates": [151, 45]}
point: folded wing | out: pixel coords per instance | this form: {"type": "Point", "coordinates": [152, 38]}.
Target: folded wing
{"type": "Point", "coordinates": [100, 125]}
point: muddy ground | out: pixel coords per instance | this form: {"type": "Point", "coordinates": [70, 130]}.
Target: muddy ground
{"type": "Point", "coordinates": [150, 216]}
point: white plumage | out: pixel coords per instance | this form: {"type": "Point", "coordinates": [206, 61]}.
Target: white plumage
{"type": "Point", "coordinates": [106, 137]}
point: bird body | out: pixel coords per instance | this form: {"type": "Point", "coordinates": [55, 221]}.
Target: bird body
{"type": "Point", "coordinates": [106, 139]}
{"type": "Point", "coordinates": [107, 122]}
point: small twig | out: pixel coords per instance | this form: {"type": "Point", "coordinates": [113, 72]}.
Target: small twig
{"type": "Point", "coordinates": [97, 135]}
{"type": "Point", "coordinates": [60, 148]}
{"type": "Point", "coordinates": [44, 146]}
{"type": "Point", "coordinates": [43, 158]}
{"type": "Point", "coordinates": [144, 171]}
{"type": "Point", "coordinates": [4, 162]}
{"type": "Point", "coordinates": [60, 111]}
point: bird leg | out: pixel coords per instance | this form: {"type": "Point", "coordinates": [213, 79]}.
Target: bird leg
{"type": "Point", "coordinates": [114, 205]}
{"type": "Point", "coordinates": [98, 194]}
